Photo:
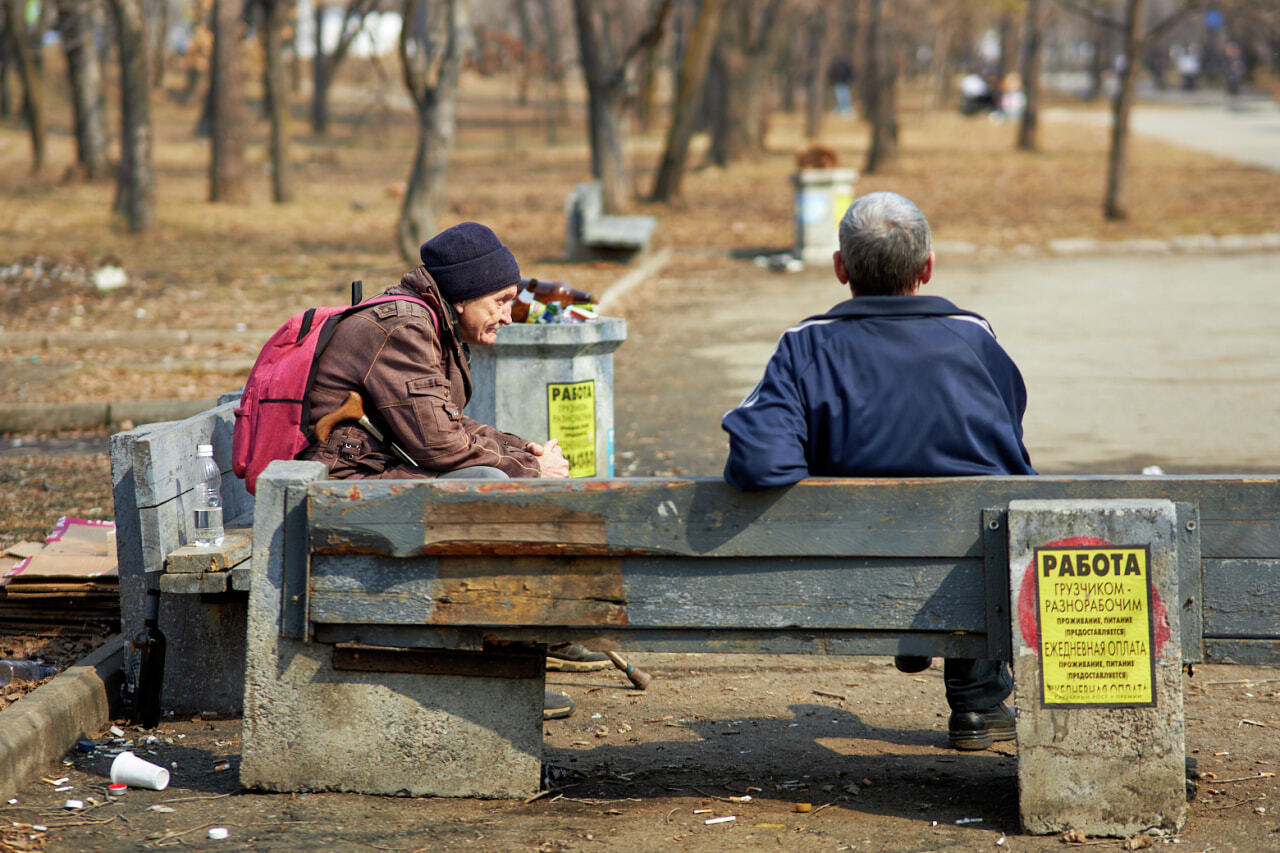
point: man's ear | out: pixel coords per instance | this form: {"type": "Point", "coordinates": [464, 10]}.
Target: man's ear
{"type": "Point", "coordinates": [927, 272]}
{"type": "Point", "coordinates": [841, 275]}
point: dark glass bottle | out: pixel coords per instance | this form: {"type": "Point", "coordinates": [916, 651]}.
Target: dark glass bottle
{"type": "Point", "coordinates": [149, 645]}
{"type": "Point", "coordinates": [546, 292]}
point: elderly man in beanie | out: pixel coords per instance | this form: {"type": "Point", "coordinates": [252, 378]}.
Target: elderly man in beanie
{"type": "Point", "coordinates": [409, 364]}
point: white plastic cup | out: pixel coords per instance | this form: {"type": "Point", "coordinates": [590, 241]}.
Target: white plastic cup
{"type": "Point", "coordinates": [138, 773]}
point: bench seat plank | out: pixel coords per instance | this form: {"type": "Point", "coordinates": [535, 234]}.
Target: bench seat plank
{"type": "Point", "coordinates": [934, 518]}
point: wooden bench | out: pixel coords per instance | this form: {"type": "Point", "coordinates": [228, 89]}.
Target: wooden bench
{"type": "Point", "coordinates": [204, 591]}
{"type": "Point", "coordinates": [591, 234]}
{"type": "Point", "coordinates": [421, 609]}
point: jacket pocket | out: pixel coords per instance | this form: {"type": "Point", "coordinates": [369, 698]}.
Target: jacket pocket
{"type": "Point", "coordinates": [431, 396]}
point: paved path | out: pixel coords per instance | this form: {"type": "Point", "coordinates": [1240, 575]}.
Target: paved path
{"type": "Point", "coordinates": [1247, 130]}
{"type": "Point", "coordinates": [1171, 360]}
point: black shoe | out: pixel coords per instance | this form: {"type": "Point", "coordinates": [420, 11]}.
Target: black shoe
{"type": "Point", "coordinates": [571, 657]}
{"type": "Point", "coordinates": [980, 729]}
{"type": "Point", "coordinates": [912, 663]}
{"type": "Point", "coordinates": [556, 706]}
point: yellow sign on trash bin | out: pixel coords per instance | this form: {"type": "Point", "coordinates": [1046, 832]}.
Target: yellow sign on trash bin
{"type": "Point", "coordinates": [1096, 626]}
{"type": "Point", "coordinates": [571, 420]}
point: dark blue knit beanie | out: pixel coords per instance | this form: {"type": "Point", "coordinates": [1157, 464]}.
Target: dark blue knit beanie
{"type": "Point", "coordinates": [468, 260]}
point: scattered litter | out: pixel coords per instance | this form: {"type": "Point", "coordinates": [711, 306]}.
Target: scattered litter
{"type": "Point", "coordinates": [221, 765]}
{"type": "Point", "coordinates": [1253, 723]}
{"type": "Point", "coordinates": [1137, 842]}
{"type": "Point", "coordinates": [1000, 841]}
{"type": "Point", "coordinates": [117, 731]}
{"type": "Point", "coordinates": [73, 804]}
{"type": "Point", "coordinates": [965, 820]}
{"type": "Point", "coordinates": [161, 809]}
{"type": "Point", "coordinates": [1153, 471]}
{"type": "Point", "coordinates": [1260, 810]}
{"type": "Point", "coordinates": [1075, 836]}
{"type": "Point", "coordinates": [62, 789]}
{"type": "Point", "coordinates": [702, 811]}
{"type": "Point", "coordinates": [745, 798]}
{"type": "Point", "coordinates": [13, 801]}
{"type": "Point", "coordinates": [218, 833]}
{"type": "Point", "coordinates": [804, 808]}
{"type": "Point", "coordinates": [602, 731]}
{"type": "Point", "coordinates": [85, 746]}
{"type": "Point", "coordinates": [751, 788]}
{"type": "Point", "coordinates": [724, 819]}
{"type": "Point", "coordinates": [596, 716]}
{"type": "Point", "coordinates": [117, 789]}
{"type": "Point", "coordinates": [770, 825]}
{"type": "Point", "coordinates": [109, 277]}
{"type": "Point", "coordinates": [39, 827]}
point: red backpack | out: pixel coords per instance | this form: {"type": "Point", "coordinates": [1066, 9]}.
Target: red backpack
{"type": "Point", "coordinates": [273, 410]}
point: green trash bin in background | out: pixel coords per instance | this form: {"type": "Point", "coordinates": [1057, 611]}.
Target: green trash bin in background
{"type": "Point", "coordinates": [552, 381]}
{"type": "Point", "coordinates": [821, 198]}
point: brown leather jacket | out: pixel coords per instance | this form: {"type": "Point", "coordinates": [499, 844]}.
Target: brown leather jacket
{"type": "Point", "coordinates": [414, 383]}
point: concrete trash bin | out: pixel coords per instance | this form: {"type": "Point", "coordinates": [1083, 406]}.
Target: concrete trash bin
{"type": "Point", "coordinates": [552, 381]}
{"type": "Point", "coordinates": [821, 198]}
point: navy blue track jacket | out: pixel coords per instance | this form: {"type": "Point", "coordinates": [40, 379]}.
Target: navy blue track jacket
{"type": "Point", "coordinates": [881, 386]}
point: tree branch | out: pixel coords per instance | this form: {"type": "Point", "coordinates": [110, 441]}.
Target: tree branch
{"type": "Point", "coordinates": [1090, 13]}
{"type": "Point", "coordinates": [647, 39]}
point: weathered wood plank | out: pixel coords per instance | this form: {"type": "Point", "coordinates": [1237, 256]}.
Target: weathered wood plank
{"type": "Point", "coordinates": [1239, 516]}
{"type": "Point", "coordinates": [778, 642]}
{"type": "Point", "coordinates": [1246, 652]}
{"type": "Point", "coordinates": [165, 459]}
{"type": "Point", "coordinates": [648, 592]}
{"type": "Point", "coordinates": [194, 584]}
{"type": "Point", "coordinates": [1242, 599]}
{"type": "Point", "coordinates": [236, 547]}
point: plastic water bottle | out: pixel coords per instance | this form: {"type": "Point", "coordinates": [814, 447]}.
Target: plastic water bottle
{"type": "Point", "coordinates": [209, 532]}
{"type": "Point", "coordinates": [24, 670]}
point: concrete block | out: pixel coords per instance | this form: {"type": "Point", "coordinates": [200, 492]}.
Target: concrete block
{"type": "Point", "coordinates": [311, 727]}
{"type": "Point", "coordinates": [194, 583]}
{"type": "Point", "coordinates": [1097, 666]}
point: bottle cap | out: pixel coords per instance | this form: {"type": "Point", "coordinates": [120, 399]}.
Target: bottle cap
{"type": "Point", "coordinates": [204, 449]}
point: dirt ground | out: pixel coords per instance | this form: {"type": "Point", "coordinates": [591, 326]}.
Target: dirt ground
{"type": "Point", "coordinates": [862, 744]}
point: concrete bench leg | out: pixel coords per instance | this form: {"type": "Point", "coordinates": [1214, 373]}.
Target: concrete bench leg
{"type": "Point", "coordinates": [311, 727]}
{"type": "Point", "coordinates": [1092, 755]}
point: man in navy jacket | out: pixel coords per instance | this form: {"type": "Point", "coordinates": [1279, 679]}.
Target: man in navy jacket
{"type": "Point", "coordinates": [890, 383]}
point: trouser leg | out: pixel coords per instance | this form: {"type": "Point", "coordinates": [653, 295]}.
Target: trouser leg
{"type": "Point", "coordinates": [976, 685]}
{"type": "Point", "coordinates": [475, 472]}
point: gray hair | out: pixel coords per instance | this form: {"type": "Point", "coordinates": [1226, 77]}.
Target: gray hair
{"type": "Point", "coordinates": [884, 244]}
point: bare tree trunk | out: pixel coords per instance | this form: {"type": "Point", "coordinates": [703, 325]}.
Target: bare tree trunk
{"type": "Point", "coordinates": [75, 24]}
{"type": "Point", "coordinates": [748, 40]}
{"type": "Point", "coordinates": [1098, 61]}
{"type": "Point", "coordinates": [1030, 73]}
{"type": "Point", "coordinates": [527, 43]}
{"type": "Point", "coordinates": [136, 179]}
{"type": "Point", "coordinates": [324, 67]}
{"type": "Point", "coordinates": [19, 41]}
{"type": "Point", "coordinates": [605, 69]}
{"type": "Point", "coordinates": [226, 165]}
{"type": "Point", "coordinates": [557, 98]}
{"type": "Point", "coordinates": [432, 44]}
{"type": "Point", "coordinates": [1114, 205]}
{"type": "Point", "coordinates": [878, 82]}
{"type": "Point", "coordinates": [819, 51]}
{"type": "Point", "coordinates": [693, 73]}
{"type": "Point", "coordinates": [158, 16]}
{"type": "Point", "coordinates": [275, 84]}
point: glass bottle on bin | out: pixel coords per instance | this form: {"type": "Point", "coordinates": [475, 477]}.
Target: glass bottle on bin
{"type": "Point", "coordinates": [545, 292]}
{"type": "Point", "coordinates": [149, 646]}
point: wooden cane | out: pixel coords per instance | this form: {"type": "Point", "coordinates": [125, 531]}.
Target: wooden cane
{"type": "Point", "coordinates": [638, 677]}
{"type": "Point", "coordinates": [352, 409]}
